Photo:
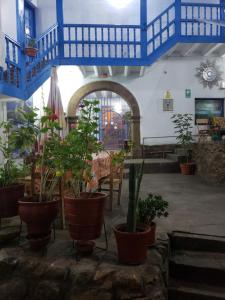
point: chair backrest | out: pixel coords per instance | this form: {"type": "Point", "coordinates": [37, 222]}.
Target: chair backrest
{"type": "Point", "coordinates": [202, 125]}
{"type": "Point", "coordinates": [202, 121]}
{"type": "Point", "coordinates": [116, 167]}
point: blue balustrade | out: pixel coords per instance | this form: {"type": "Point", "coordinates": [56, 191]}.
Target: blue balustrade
{"type": "Point", "coordinates": [102, 41]}
{"type": "Point", "coordinates": [13, 69]}
{"type": "Point", "coordinates": [161, 29]}
{"type": "Point", "coordinates": [200, 20]}
{"type": "Point", "coordinates": [104, 44]}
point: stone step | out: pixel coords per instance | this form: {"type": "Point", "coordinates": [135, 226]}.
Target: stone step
{"type": "Point", "coordinates": [156, 165]}
{"type": "Point", "coordinates": [175, 157]}
{"type": "Point", "coordinates": [198, 266]}
{"type": "Point", "coordinates": [179, 290]}
{"type": "Point", "coordinates": [196, 242]}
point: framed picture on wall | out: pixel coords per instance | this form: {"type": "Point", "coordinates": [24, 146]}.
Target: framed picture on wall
{"type": "Point", "coordinates": [209, 107]}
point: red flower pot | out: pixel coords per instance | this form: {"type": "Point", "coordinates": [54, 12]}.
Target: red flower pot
{"type": "Point", "coordinates": [132, 246]}
{"type": "Point", "coordinates": [85, 215]}
{"type": "Point", "coordinates": [31, 52]}
{"type": "Point", "coordinates": [38, 216]}
{"type": "Point", "coordinates": [187, 168]}
{"type": "Point", "coordinates": [151, 236]}
{"type": "Point", "coordinates": [9, 200]}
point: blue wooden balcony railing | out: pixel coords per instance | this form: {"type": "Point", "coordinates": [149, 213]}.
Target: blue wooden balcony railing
{"type": "Point", "coordinates": [103, 44]}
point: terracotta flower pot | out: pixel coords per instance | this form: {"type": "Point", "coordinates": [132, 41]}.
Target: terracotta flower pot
{"type": "Point", "coordinates": [85, 215]}
{"type": "Point", "coordinates": [39, 243]}
{"type": "Point", "coordinates": [132, 246]}
{"type": "Point", "coordinates": [151, 236]}
{"type": "Point", "coordinates": [187, 168]}
{"type": "Point", "coordinates": [9, 200]}
{"type": "Point", "coordinates": [38, 216]}
{"type": "Point", "coordinates": [31, 52]}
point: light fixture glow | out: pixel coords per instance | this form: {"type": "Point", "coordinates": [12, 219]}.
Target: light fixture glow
{"type": "Point", "coordinates": [119, 3]}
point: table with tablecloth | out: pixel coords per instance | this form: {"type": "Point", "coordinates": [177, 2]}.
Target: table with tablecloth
{"type": "Point", "coordinates": [100, 169]}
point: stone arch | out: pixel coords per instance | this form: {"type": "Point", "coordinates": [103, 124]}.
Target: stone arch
{"type": "Point", "coordinates": [112, 87]}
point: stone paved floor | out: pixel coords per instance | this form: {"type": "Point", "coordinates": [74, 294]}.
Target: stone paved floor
{"type": "Point", "coordinates": [193, 205]}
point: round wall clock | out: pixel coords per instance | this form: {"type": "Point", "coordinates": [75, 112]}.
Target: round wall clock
{"type": "Point", "coordinates": [209, 74]}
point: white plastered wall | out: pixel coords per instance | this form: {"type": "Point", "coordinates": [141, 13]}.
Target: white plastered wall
{"type": "Point", "coordinates": [174, 74]}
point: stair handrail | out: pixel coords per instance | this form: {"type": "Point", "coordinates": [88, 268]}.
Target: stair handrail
{"type": "Point", "coordinates": [161, 14]}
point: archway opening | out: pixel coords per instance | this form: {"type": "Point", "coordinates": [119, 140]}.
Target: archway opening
{"type": "Point", "coordinates": [120, 91]}
{"type": "Point", "coordinates": [114, 119]}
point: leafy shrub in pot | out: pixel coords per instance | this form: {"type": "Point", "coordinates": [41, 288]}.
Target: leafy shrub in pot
{"type": "Point", "coordinates": [152, 207]}
{"type": "Point", "coordinates": [183, 129]}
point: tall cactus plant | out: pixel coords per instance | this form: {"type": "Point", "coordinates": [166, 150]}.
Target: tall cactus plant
{"type": "Point", "coordinates": [135, 178]}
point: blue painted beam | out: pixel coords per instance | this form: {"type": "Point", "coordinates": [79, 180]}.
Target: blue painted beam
{"type": "Point", "coordinates": [60, 21]}
{"type": "Point", "coordinates": [222, 16]}
{"type": "Point", "coordinates": [178, 17]}
{"type": "Point", "coordinates": [20, 21]}
{"type": "Point", "coordinates": [143, 24]}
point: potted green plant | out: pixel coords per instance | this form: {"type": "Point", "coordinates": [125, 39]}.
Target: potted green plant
{"type": "Point", "coordinates": [152, 207]}
{"type": "Point", "coordinates": [84, 209]}
{"type": "Point", "coordinates": [132, 238]}
{"type": "Point", "coordinates": [11, 189]}
{"type": "Point", "coordinates": [31, 50]}
{"type": "Point", "coordinates": [38, 211]}
{"type": "Point", "coordinates": [183, 129]}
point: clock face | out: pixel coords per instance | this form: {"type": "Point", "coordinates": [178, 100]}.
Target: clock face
{"type": "Point", "coordinates": [208, 74]}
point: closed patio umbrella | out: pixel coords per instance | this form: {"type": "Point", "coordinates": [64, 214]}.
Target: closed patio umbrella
{"type": "Point", "coordinates": [55, 101]}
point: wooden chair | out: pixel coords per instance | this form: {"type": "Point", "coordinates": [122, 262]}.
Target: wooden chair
{"type": "Point", "coordinates": [113, 182]}
{"type": "Point", "coordinates": [203, 129]}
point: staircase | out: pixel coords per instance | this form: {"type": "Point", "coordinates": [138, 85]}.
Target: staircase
{"type": "Point", "coordinates": [196, 267]}
{"type": "Point", "coordinates": [109, 45]}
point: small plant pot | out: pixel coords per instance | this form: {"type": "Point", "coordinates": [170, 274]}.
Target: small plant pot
{"type": "Point", "coordinates": [152, 234]}
{"type": "Point", "coordinates": [187, 168]}
{"type": "Point", "coordinates": [9, 200]}
{"type": "Point", "coordinates": [31, 52]}
{"type": "Point", "coordinates": [132, 247]}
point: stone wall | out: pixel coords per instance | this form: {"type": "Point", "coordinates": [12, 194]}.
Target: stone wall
{"type": "Point", "coordinates": [210, 160]}
{"type": "Point", "coordinates": [25, 276]}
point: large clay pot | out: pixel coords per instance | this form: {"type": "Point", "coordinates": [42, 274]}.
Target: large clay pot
{"type": "Point", "coordinates": [38, 216]}
{"type": "Point", "coordinates": [9, 200]}
{"type": "Point", "coordinates": [132, 246]}
{"type": "Point", "coordinates": [85, 215]}
{"type": "Point", "coordinates": [187, 168]}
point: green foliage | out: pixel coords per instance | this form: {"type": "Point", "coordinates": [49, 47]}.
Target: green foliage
{"type": "Point", "coordinates": [14, 139]}
{"type": "Point", "coordinates": [80, 144]}
{"type": "Point", "coordinates": [183, 129]}
{"type": "Point", "coordinates": [135, 178]}
{"type": "Point", "coordinates": [31, 43]}
{"type": "Point", "coordinates": [150, 208]}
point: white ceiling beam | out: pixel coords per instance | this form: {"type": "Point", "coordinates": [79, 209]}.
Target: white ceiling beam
{"type": "Point", "coordinates": [111, 72]}
{"type": "Point", "coordinates": [221, 52]}
{"type": "Point", "coordinates": [190, 49]}
{"type": "Point", "coordinates": [96, 71]}
{"type": "Point", "coordinates": [142, 71]}
{"type": "Point", "coordinates": [126, 71]}
{"type": "Point", "coordinates": [208, 51]}
{"type": "Point", "coordinates": [83, 71]}
{"type": "Point", "coordinates": [171, 51]}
